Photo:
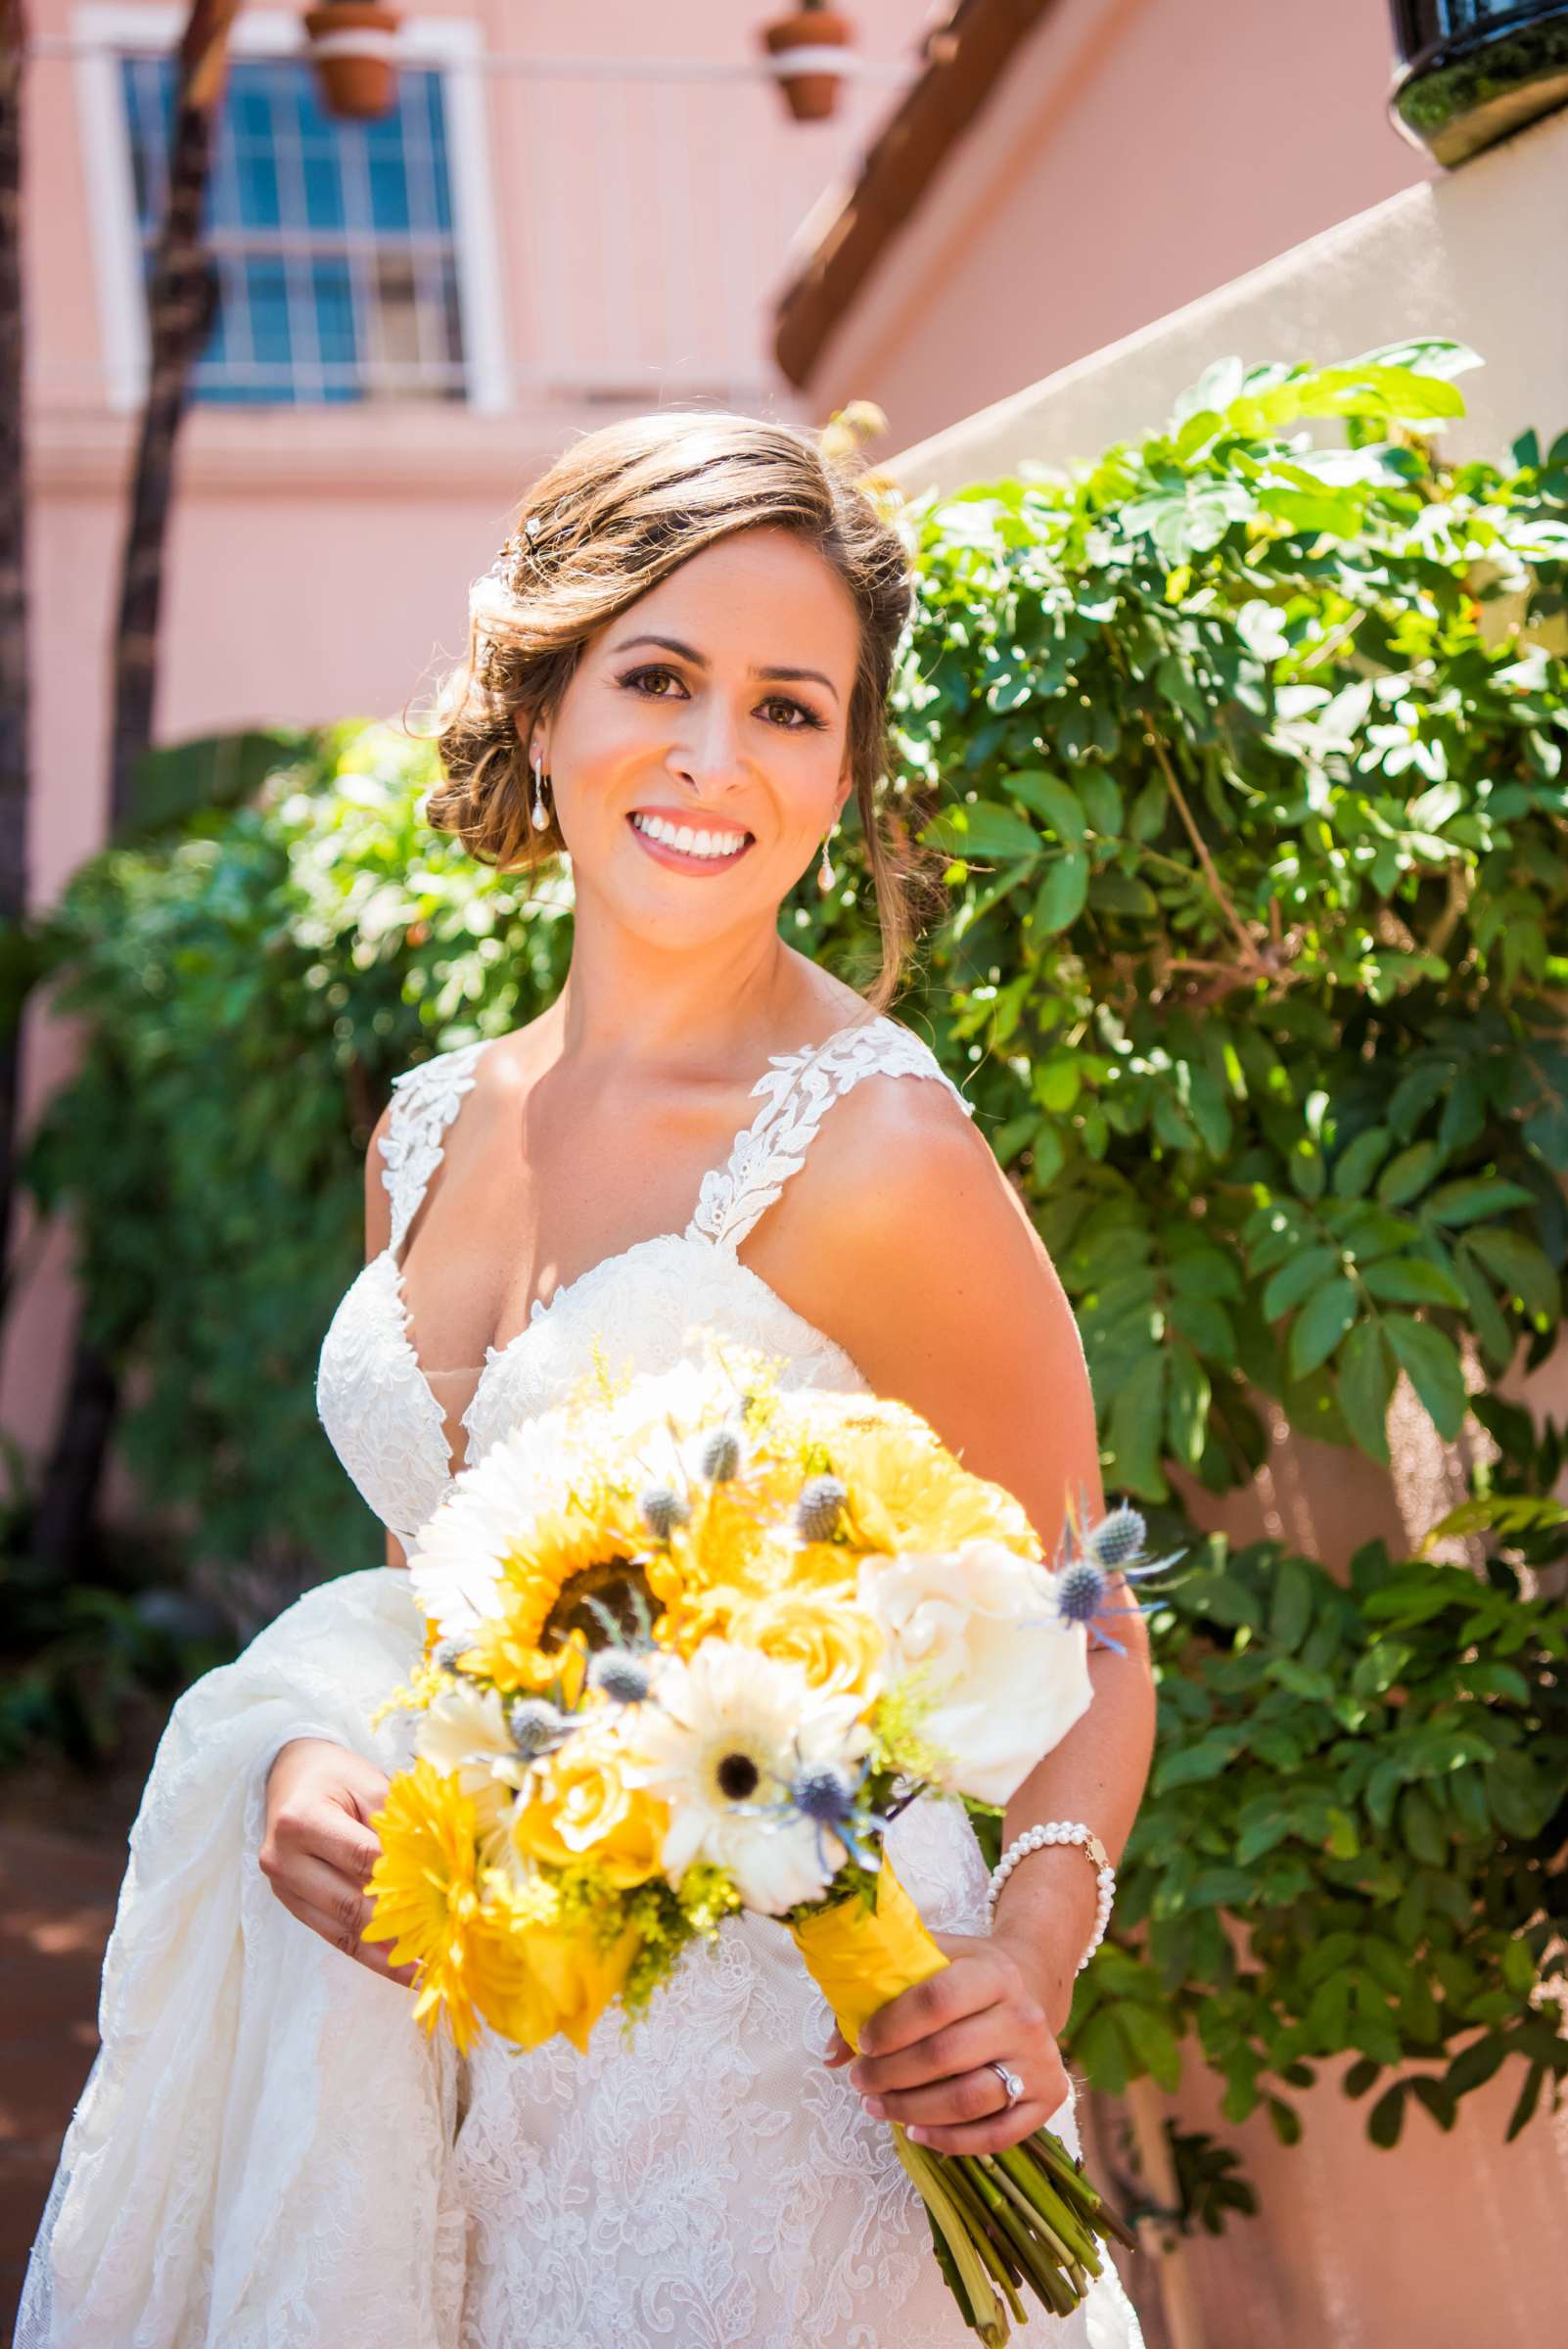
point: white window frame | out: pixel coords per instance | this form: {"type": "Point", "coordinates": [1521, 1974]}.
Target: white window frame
{"type": "Point", "coordinates": [453, 44]}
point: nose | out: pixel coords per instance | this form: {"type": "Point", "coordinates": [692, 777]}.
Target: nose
{"type": "Point", "coordinates": [706, 753]}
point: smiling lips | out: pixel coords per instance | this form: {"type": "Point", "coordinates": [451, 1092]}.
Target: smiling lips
{"type": "Point", "coordinates": [689, 848]}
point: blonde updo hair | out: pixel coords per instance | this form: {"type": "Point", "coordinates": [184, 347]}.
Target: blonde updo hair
{"type": "Point", "coordinates": [620, 510]}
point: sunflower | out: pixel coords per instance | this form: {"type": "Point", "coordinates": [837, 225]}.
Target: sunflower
{"type": "Point", "coordinates": [426, 1893]}
{"type": "Point", "coordinates": [590, 1553]}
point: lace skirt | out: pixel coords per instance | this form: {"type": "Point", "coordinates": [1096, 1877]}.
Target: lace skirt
{"type": "Point", "coordinates": [708, 2181]}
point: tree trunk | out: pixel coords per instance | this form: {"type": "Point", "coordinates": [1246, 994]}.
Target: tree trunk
{"type": "Point", "coordinates": [181, 301]}
{"type": "Point", "coordinates": [13, 708]}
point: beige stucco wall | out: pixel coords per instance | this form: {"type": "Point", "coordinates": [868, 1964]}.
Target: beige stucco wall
{"type": "Point", "coordinates": [1472, 255]}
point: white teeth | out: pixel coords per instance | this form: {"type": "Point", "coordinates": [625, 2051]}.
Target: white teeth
{"type": "Point", "coordinates": [689, 842]}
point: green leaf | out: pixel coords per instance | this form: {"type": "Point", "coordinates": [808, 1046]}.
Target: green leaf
{"type": "Point", "coordinates": [1062, 893]}
{"type": "Point", "coordinates": [1297, 1279]}
{"type": "Point", "coordinates": [1051, 798]}
{"type": "Point", "coordinates": [1290, 1606]}
{"type": "Point", "coordinates": [1321, 1324]}
{"type": "Point", "coordinates": [1387, 2117]}
{"type": "Point", "coordinates": [1102, 2051]}
{"type": "Point", "coordinates": [1410, 1174]}
{"type": "Point", "coordinates": [1519, 1264]}
{"type": "Point", "coordinates": [1432, 1365]}
{"type": "Point", "coordinates": [1367, 1372]}
{"type": "Point", "coordinates": [1411, 1281]}
{"type": "Point", "coordinates": [1153, 2042]}
{"type": "Point", "coordinates": [982, 829]}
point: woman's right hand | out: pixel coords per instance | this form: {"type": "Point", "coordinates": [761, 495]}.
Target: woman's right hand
{"type": "Point", "coordinates": [318, 1848]}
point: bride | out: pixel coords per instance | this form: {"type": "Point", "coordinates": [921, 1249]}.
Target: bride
{"type": "Point", "coordinates": [676, 674]}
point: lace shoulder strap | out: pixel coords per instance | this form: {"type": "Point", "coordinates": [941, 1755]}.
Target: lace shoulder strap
{"type": "Point", "coordinates": [800, 1086]}
{"type": "Point", "coordinates": [425, 1101]}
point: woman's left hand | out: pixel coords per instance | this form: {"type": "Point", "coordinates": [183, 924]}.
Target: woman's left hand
{"type": "Point", "coordinates": [925, 2056]}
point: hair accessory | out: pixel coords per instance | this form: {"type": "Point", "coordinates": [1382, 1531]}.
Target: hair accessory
{"type": "Point", "coordinates": [539, 811]}
{"type": "Point", "coordinates": [1009, 2080]}
{"type": "Point", "coordinates": [1060, 1830]}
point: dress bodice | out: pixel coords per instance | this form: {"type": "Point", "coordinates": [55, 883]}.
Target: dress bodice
{"type": "Point", "coordinates": [381, 1413]}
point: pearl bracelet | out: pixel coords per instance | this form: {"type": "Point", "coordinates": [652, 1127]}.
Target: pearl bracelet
{"type": "Point", "coordinates": [1061, 1830]}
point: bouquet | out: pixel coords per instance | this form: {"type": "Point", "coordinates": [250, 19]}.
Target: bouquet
{"type": "Point", "coordinates": [693, 1640]}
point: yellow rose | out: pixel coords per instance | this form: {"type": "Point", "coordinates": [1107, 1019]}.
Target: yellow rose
{"type": "Point", "coordinates": [531, 1981]}
{"type": "Point", "coordinates": [580, 1808]}
{"type": "Point", "coordinates": [835, 1642]}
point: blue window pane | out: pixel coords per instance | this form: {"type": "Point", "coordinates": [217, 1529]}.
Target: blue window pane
{"type": "Point", "coordinates": [331, 288]}
{"type": "Point", "coordinates": [293, 193]}
{"type": "Point", "coordinates": [267, 295]}
{"type": "Point", "coordinates": [388, 172]}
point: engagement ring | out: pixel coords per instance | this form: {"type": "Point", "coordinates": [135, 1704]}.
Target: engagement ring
{"type": "Point", "coordinates": [1011, 2082]}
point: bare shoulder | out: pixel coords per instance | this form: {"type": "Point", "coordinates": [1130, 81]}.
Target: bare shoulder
{"type": "Point", "coordinates": [912, 1249]}
{"type": "Point", "coordinates": [901, 1164]}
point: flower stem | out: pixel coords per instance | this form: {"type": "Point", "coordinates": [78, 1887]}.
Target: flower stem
{"type": "Point", "coordinates": [985, 2315]}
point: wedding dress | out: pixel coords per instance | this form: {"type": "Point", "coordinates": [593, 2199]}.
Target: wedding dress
{"type": "Point", "coordinates": [268, 2153]}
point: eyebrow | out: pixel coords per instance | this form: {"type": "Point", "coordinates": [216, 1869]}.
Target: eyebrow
{"type": "Point", "coordinates": [672, 644]}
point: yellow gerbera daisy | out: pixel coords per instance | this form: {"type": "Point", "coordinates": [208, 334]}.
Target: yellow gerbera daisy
{"type": "Point", "coordinates": [425, 1894]}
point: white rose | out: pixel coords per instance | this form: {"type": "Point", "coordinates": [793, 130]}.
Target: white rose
{"type": "Point", "coordinates": [1007, 1676]}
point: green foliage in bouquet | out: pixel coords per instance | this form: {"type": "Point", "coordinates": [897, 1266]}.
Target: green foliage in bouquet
{"type": "Point", "coordinates": [1240, 754]}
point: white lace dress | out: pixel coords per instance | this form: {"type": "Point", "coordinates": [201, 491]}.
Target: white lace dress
{"type": "Point", "coordinates": [269, 2156]}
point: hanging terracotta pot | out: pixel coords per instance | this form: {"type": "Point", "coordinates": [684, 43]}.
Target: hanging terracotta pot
{"type": "Point", "coordinates": [352, 43]}
{"type": "Point", "coordinates": [809, 74]}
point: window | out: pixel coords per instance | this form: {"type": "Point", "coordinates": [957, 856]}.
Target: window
{"type": "Point", "coordinates": [343, 272]}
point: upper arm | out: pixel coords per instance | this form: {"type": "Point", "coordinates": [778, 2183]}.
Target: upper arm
{"type": "Point", "coordinates": [377, 1235]}
{"type": "Point", "coordinates": [378, 1203]}
{"type": "Point", "coordinates": [929, 1274]}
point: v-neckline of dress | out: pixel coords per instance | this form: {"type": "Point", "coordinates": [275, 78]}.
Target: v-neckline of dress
{"type": "Point", "coordinates": [542, 1310]}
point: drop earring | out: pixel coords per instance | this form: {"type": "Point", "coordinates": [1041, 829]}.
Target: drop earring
{"type": "Point", "coordinates": [539, 811]}
{"type": "Point", "coordinates": [824, 871]}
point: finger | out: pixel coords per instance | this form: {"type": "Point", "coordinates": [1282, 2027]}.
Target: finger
{"type": "Point", "coordinates": [969, 1983]}
{"type": "Point", "coordinates": [373, 1954]}
{"type": "Point", "coordinates": [839, 2048]}
{"type": "Point", "coordinates": [983, 2137]}
{"type": "Point", "coordinates": [959, 2047]}
{"type": "Point", "coordinates": [332, 1894]}
{"type": "Point", "coordinates": [972, 2095]}
{"type": "Point", "coordinates": [329, 1832]}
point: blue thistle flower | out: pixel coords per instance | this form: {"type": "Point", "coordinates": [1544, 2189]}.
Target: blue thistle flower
{"type": "Point", "coordinates": [1081, 1591]}
{"type": "Point", "coordinates": [620, 1674]}
{"type": "Point", "coordinates": [445, 1654]}
{"type": "Point", "coordinates": [1117, 1538]}
{"type": "Point", "coordinates": [663, 1509]}
{"type": "Point", "coordinates": [819, 1508]}
{"type": "Point", "coordinates": [536, 1725]}
{"type": "Point", "coordinates": [824, 1794]}
{"type": "Point", "coordinates": [721, 1456]}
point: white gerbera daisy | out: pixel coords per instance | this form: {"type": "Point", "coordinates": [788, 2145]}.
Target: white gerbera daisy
{"type": "Point", "coordinates": [722, 1742]}
{"type": "Point", "coordinates": [453, 1566]}
{"type": "Point", "coordinates": [464, 1734]}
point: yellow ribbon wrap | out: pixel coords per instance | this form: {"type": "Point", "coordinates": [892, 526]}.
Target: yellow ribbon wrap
{"type": "Point", "coordinates": [862, 1958]}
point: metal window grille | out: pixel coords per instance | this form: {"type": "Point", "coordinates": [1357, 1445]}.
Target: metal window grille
{"type": "Point", "coordinates": [333, 241]}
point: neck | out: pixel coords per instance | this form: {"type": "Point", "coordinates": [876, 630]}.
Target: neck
{"type": "Point", "coordinates": [630, 1002]}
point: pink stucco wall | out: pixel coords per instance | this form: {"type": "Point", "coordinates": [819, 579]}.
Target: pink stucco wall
{"type": "Point", "coordinates": [319, 557]}
{"type": "Point", "coordinates": [1141, 152]}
